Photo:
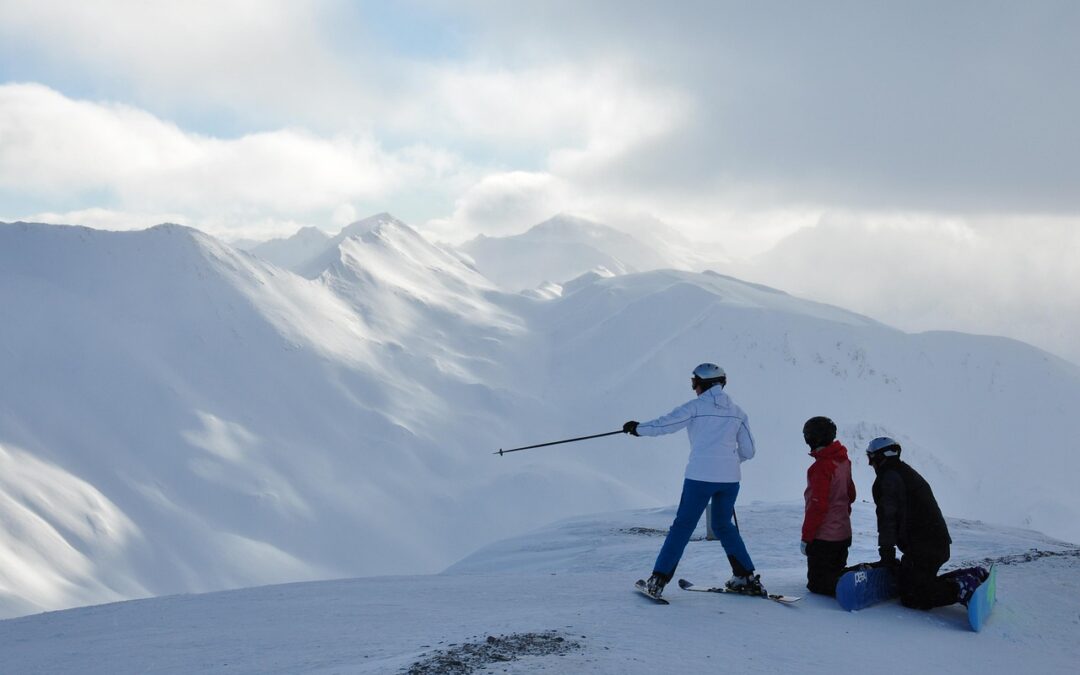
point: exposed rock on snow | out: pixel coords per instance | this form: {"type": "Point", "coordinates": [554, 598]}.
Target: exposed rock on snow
{"type": "Point", "coordinates": [472, 656]}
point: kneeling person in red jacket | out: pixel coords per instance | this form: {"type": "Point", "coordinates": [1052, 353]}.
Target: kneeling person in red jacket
{"type": "Point", "coordinates": [826, 530]}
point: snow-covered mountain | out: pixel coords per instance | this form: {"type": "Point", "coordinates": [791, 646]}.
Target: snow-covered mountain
{"type": "Point", "coordinates": [558, 600]}
{"type": "Point", "coordinates": [185, 417]}
{"type": "Point", "coordinates": [326, 254]}
{"type": "Point", "coordinates": [559, 249]}
{"type": "Point", "coordinates": [289, 252]}
{"type": "Point", "coordinates": [179, 416]}
{"type": "Point", "coordinates": [980, 415]}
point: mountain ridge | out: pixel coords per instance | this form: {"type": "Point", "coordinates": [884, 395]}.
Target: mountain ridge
{"type": "Point", "coordinates": [241, 416]}
{"type": "Point", "coordinates": [559, 249]}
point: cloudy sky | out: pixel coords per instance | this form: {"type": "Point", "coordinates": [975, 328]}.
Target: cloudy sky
{"type": "Point", "coordinates": [917, 161]}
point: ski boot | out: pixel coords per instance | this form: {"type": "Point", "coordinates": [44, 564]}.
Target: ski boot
{"type": "Point", "coordinates": [967, 580]}
{"type": "Point", "coordinates": [655, 584]}
{"type": "Point", "coordinates": [749, 584]}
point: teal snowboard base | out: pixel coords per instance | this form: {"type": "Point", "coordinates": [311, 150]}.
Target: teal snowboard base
{"type": "Point", "coordinates": [982, 601]}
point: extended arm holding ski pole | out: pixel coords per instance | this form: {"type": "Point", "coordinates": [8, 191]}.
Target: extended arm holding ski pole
{"type": "Point", "coordinates": [568, 440]}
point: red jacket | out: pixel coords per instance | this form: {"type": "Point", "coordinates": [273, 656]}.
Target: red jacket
{"type": "Point", "coordinates": [829, 495]}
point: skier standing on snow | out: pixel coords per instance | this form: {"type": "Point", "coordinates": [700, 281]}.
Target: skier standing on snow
{"type": "Point", "coordinates": [908, 518]}
{"type": "Point", "coordinates": [720, 441]}
{"type": "Point", "coordinates": [826, 530]}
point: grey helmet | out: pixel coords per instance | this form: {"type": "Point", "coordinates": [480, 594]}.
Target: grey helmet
{"type": "Point", "coordinates": [883, 446]}
{"type": "Point", "coordinates": [708, 374]}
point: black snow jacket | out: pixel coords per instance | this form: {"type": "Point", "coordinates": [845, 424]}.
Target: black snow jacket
{"type": "Point", "coordinates": [908, 516]}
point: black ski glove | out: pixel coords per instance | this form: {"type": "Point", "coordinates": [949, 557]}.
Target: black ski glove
{"type": "Point", "coordinates": [630, 428]}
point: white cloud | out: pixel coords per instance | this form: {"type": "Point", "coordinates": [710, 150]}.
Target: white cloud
{"type": "Point", "coordinates": [344, 215]}
{"type": "Point", "coordinates": [830, 103]}
{"type": "Point", "coordinates": [561, 112]}
{"type": "Point", "coordinates": [257, 58]}
{"type": "Point", "coordinates": [763, 107]}
{"type": "Point", "coordinates": [325, 65]}
{"type": "Point", "coordinates": [1013, 276]}
{"type": "Point", "coordinates": [53, 146]}
{"type": "Point", "coordinates": [504, 204]}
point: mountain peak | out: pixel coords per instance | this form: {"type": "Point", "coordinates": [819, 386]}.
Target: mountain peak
{"type": "Point", "coordinates": [562, 247]}
{"type": "Point", "coordinates": [568, 224]}
{"type": "Point", "coordinates": [370, 224]}
{"type": "Point", "coordinates": [320, 254]}
{"type": "Point", "coordinates": [310, 233]}
{"type": "Point", "coordinates": [286, 253]}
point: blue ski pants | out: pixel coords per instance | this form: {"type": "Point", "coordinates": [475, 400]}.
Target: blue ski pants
{"type": "Point", "coordinates": [695, 497]}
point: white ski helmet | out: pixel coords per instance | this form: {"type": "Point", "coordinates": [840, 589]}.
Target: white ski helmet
{"type": "Point", "coordinates": [708, 374]}
{"type": "Point", "coordinates": [884, 446]}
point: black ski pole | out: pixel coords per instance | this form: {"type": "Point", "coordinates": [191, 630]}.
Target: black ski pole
{"type": "Point", "coordinates": [569, 440]}
{"type": "Point", "coordinates": [736, 517]}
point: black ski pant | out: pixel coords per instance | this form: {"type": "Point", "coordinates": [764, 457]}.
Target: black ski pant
{"type": "Point", "coordinates": [825, 562]}
{"type": "Point", "coordinates": [920, 585]}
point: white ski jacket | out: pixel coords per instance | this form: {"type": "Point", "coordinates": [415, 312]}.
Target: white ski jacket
{"type": "Point", "coordinates": [719, 434]}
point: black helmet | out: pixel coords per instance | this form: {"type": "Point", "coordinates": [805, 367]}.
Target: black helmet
{"type": "Point", "coordinates": [819, 432]}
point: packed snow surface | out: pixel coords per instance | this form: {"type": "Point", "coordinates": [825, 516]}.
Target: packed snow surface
{"type": "Point", "coordinates": [560, 600]}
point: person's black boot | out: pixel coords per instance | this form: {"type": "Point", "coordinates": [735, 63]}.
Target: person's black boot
{"type": "Point", "coordinates": [655, 584]}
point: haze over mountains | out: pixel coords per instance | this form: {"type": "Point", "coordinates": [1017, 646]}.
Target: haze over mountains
{"type": "Point", "coordinates": [177, 415]}
{"type": "Point", "coordinates": [560, 249]}
{"type": "Point", "coordinates": [291, 251]}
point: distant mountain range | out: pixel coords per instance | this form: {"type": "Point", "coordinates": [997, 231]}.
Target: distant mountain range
{"type": "Point", "coordinates": [560, 249]}
{"type": "Point", "coordinates": [177, 415]}
{"type": "Point", "coordinates": [554, 251]}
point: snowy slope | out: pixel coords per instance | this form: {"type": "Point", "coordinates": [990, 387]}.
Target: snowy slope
{"type": "Point", "coordinates": [559, 600]}
{"type": "Point", "coordinates": [983, 416]}
{"type": "Point", "coordinates": [181, 417]}
{"type": "Point", "coordinates": [177, 416]}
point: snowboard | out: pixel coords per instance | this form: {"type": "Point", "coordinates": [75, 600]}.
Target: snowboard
{"type": "Point", "coordinates": [782, 599]}
{"type": "Point", "coordinates": [644, 590]}
{"type": "Point", "coordinates": [861, 588]}
{"type": "Point", "coordinates": [982, 601]}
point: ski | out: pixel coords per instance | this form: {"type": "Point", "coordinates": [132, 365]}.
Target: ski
{"type": "Point", "coordinates": [859, 588]}
{"type": "Point", "coordinates": [782, 599]}
{"type": "Point", "coordinates": [644, 590]}
{"type": "Point", "coordinates": [982, 601]}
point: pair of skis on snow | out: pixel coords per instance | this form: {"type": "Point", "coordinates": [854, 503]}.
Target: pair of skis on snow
{"type": "Point", "coordinates": [859, 589]}
{"type": "Point", "coordinates": [687, 586]}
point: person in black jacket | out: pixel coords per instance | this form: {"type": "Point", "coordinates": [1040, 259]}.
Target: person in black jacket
{"type": "Point", "coordinates": [908, 518]}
